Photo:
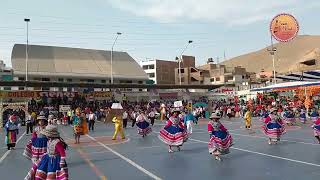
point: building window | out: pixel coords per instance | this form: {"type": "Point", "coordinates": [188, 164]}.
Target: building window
{"type": "Point", "coordinates": [151, 66]}
{"type": "Point", "coordinates": [103, 81]}
{"type": "Point", "coordinates": [7, 88]}
{"type": "Point", "coordinates": [60, 79]}
{"type": "Point", "coordinates": [145, 67]}
{"type": "Point", "coordinates": [243, 77]}
{"type": "Point", "coordinates": [151, 75]}
{"type": "Point", "coordinates": [217, 79]}
{"type": "Point", "coordinates": [21, 88]}
{"type": "Point", "coordinates": [45, 88]}
{"type": "Point", "coordinates": [21, 78]}
{"type": "Point", "coordinates": [45, 79]}
{"type": "Point", "coordinates": [182, 71]}
{"type": "Point", "coordinates": [212, 80]}
{"type": "Point", "coordinates": [90, 80]}
{"type": "Point", "coordinates": [140, 82]}
{"type": "Point", "coordinates": [60, 89]}
{"type": "Point", "coordinates": [69, 80]}
{"type": "Point", "coordinates": [129, 82]}
{"type": "Point", "coordinates": [182, 79]}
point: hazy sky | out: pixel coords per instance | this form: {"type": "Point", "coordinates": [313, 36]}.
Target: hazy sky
{"type": "Point", "coordinates": [151, 28]}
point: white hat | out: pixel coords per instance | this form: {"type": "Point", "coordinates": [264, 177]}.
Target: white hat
{"type": "Point", "coordinates": [215, 116]}
{"type": "Point", "coordinates": [116, 106]}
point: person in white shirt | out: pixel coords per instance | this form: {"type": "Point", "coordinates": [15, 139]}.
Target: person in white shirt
{"type": "Point", "coordinates": [152, 116]}
{"type": "Point", "coordinates": [125, 119]}
{"type": "Point", "coordinates": [133, 117]}
{"type": "Point", "coordinates": [91, 119]}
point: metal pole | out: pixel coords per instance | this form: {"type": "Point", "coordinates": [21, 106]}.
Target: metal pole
{"type": "Point", "coordinates": [181, 58]}
{"type": "Point", "coordinates": [27, 50]}
{"type": "Point", "coordinates": [111, 58]}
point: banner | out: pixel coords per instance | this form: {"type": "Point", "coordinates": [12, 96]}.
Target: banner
{"type": "Point", "coordinates": [64, 108]}
{"type": "Point", "coordinates": [52, 94]}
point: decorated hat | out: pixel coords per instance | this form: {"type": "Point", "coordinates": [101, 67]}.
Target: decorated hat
{"type": "Point", "coordinates": [116, 106]}
{"type": "Point", "coordinates": [51, 131]}
{"type": "Point", "coordinates": [215, 116]}
{"type": "Point", "coordinates": [175, 110]}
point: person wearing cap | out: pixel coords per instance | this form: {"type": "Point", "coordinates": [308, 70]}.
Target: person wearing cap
{"type": "Point", "coordinates": [37, 145]}
{"type": "Point", "coordinates": [12, 130]}
{"type": "Point", "coordinates": [273, 127]}
{"type": "Point", "coordinates": [51, 165]}
{"type": "Point", "coordinates": [173, 134]}
{"type": "Point", "coordinates": [143, 125]}
{"type": "Point", "coordinates": [220, 139]}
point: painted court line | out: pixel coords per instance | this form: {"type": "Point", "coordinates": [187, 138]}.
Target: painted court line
{"type": "Point", "coordinates": [261, 137]}
{"type": "Point", "coordinates": [126, 159]}
{"type": "Point", "coordinates": [8, 152]}
{"type": "Point", "coordinates": [92, 165]}
{"type": "Point", "coordinates": [268, 155]}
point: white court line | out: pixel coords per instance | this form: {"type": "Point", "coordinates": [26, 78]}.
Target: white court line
{"type": "Point", "coordinates": [8, 152]}
{"type": "Point", "coordinates": [126, 159]}
{"type": "Point", "coordinates": [260, 137]}
{"type": "Point", "coordinates": [268, 155]}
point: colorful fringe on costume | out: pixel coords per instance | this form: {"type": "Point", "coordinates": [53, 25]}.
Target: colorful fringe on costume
{"type": "Point", "coordinates": [11, 137]}
{"type": "Point", "coordinates": [174, 133]}
{"type": "Point", "coordinates": [273, 130]}
{"type": "Point", "coordinates": [220, 141]}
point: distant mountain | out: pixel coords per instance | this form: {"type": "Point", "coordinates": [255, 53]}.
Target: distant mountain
{"type": "Point", "coordinates": [287, 58]}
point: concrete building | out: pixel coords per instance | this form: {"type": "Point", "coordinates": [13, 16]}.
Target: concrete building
{"type": "Point", "coordinates": [211, 73]}
{"type": "Point", "coordinates": [6, 74]}
{"type": "Point", "coordinates": [163, 71]}
{"type": "Point", "coordinates": [62, 64]}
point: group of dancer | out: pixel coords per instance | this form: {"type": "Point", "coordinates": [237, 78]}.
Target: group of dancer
{"type": "Point", "coordinates": [178, 129]}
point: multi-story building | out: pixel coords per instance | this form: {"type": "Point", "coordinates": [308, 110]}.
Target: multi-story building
{"type": "Point", "coordinates": [163, 71]}
{"type": "Point", "coordinates": [6, 74]}
{"type": "Point", "coordinates": [211, 73]}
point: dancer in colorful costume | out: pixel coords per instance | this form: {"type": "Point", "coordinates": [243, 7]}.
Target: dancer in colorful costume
{"type": "Point", "coordinates": [12, 130]}
{"type": "Point", "coordinates": [80, 126]}
{"type": "Point", "coordinates": [289, 117]}
{"type": "Point", "coordinates": [302, 116]}
{"type": "Point", "coordinates": [52, 165]}
{"type": "Point", "coordinates": [273, 127]}
{"type": "Point", "coordinates": [247, 118]}
{"type": "Point", "coordinates": [142, 124]}
{"type": "Point", "coordinates": [173, 134]}
{"type": "Point", "coordinates": [220, 139]}
{"type": "Point", "coordinates": [117, 120]}
{"type": "Point", "coordinates": [316, 129]}
{"type": "Point", "coordinates": [37, 145]}
{"type": "Point", "coordinates": [314, 115]}
{"type": "Point", "coordinates": [162, 112]}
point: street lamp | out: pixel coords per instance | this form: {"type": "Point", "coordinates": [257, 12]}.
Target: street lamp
{"type": "Point", "coordinates": [180, 59]}
{"type": "Point", "coordinates": [27, 22]}
{"type": "Point", "coordinates": [272, 52]}
{"type": "Point", "coordinates": [111, 73]}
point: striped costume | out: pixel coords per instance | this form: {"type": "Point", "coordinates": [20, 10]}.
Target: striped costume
{"type": "Point", "coordinates": [52, 165]}
{"type": "Point", "coordinates": [174, 133]}
{"type": "Point", "coordinates": [143, 126]}
{"type": "Point", "coordinates": [220, 139]}
{"type": "Point", "coordinates": [273, 127]}
{"type": "Point", "coordinates": [37, 145]}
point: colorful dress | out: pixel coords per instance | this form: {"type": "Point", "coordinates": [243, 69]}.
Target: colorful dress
{"type": "Point", "coordinates": [289, 116]}
{"type": "Point", "coordinates": [80, 126]}
{"type": "Point", "coordinates": [220, 139]}
{"type": "Point", "coordinates": [303, 116]}
{"type": "Point", "coordinates": [173, 134]}
{"type": "Point", "coordinates": [37, 145]}
{"type": "Point", "coordinates": [143, 126]}
{"type": "Point", "coordinates": [12, 130]}
{"type": "Point", "coordinates": [316, 127]}
{"type": "Point", "coordinates": [52, 165]}
{"type": "Point", "coordinates": [273, 127]}
{"type": "Point", "coordinates": [314, 115]}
